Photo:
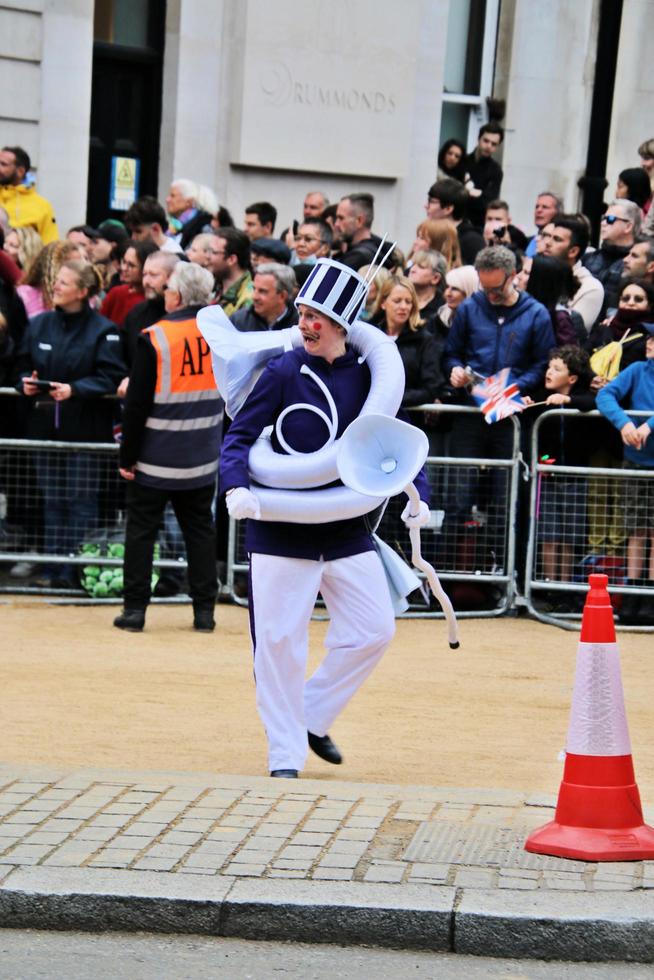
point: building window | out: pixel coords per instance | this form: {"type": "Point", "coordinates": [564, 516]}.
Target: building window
{"type": "Point", "coordinates": [124, 22]}
{"type": "Point", "coordinates": [469, 68]}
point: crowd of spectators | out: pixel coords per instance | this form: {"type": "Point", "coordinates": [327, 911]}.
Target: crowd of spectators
{"type": "Point", "coordinates": [471, 295]}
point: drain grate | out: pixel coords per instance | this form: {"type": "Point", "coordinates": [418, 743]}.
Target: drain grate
{"type": "Point", "coordinates": [483, 845]}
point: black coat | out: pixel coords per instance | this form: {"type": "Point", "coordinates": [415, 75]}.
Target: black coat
{"type": "Point", "coordinates": [471, 241]}
{"type": "Point", "coordinates": [83, 350]}
{"type": "Point", "coordinates": [246, 319]}
{"type": "Point", "coordinates": [139, 317]}
{"type": "Point", "coordinates": [486, 174]}
{"type": "Point", "coordinates": [363, 253]}
{"type": "Point", "coordinates": [194, 226]}
{"type": "Point", "coordinates": [421, 357]}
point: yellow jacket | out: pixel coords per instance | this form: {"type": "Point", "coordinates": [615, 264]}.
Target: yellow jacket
{"type": "Point", "coordinates": [25, 207]}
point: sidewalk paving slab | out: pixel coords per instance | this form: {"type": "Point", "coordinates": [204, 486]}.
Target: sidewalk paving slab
{"type": "Point", "coordinates": [322, 860]}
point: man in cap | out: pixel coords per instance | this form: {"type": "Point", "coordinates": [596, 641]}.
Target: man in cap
{"type": "Point", "coordinates": [264, 250]}
{"type": "Point", "coordinates": [291, 562]}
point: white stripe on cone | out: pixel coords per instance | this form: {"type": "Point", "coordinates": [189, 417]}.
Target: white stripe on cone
{"type": "Point", "coordinates": [598, 721]}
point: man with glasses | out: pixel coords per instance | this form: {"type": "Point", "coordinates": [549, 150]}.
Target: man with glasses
{"type": "Point", "coordinates": [620, 228]}
{"type": "Point", "coordinates": [497, 327]}
{"type": "Point", "coordinates": [313, 241]}
{"type": "Point", "coordinates": [230, 264]}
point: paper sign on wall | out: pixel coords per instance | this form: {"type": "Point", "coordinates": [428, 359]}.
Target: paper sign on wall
{"type": "Point", "coordinates": [124, 186]}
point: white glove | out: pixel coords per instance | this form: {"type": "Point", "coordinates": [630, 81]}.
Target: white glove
{"type": "Point", "coordinates": [415, 520]}
{"type": "Point", "coordinates": [241, 503]}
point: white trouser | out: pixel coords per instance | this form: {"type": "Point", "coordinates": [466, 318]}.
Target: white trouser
{"type": "Point", "coordinates": [282, 596]}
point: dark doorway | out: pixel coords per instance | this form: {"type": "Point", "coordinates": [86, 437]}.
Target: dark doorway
{"type": "Point", "coordinates": [125, 104]}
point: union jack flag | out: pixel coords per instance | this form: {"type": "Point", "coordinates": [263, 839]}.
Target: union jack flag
{"type": "Point", "coordinates": [497, 398]}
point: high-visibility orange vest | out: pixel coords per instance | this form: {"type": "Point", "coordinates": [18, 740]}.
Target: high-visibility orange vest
{"type": "Point", "coordinates": [182, 434]}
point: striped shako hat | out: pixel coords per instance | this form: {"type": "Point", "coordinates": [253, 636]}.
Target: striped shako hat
{"type": "Point", "coordinates": [337, 291]}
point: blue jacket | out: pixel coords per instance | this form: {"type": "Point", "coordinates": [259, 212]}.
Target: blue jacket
{"type": "Point", "coordinates": [488, 338]}
{"type": "Point", "coordinates": [81, 349]}
{"type": "Point", "coordinates": [635, 387]}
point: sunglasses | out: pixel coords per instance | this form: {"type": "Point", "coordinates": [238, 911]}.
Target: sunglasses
{"type": "Point", "coordinates": [610, 219]}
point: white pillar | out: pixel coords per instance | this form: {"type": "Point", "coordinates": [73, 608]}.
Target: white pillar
{"type": "Point", "coordinates": [192, 65]}
{"type": "Point", "coordinates": [632, 120]}
{"type": "Point", "coordinates": [411, 191]}
{"type": "Point", "coordinates": [546, 71]}
{"type": "Point", "coordinates": [65, 117]}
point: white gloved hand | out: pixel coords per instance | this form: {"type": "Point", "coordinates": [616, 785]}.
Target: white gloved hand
{"type": "Point", "coordinates": [241, 503]}
{"type": "Point", "coordinates": [415, 520]}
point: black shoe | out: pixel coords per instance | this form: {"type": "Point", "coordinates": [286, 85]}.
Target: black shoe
{"type": "Point", "coordinates": [284, 773]}
{"type": "Point", "coordinates": [203, 620]}
{"type": "Point", "coordinates": [132, 620]}
{"type": "Point", "coordinates": [323, 746]}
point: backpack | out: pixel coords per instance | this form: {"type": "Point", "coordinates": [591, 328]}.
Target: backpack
{"type": "Point", "coordinates": [605, 361]}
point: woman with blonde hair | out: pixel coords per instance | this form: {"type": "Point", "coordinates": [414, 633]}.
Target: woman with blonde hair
{"type": "Point", "coordinates": [401, 321]}
{"type": "Point", "coordinates": [23, 245]}
{"type": "Point", "coordinates": [438, 235]}
{"type": "Point", "coordinates": [421, 357]}
{"type": "Point", "coordinates": [37, 285]}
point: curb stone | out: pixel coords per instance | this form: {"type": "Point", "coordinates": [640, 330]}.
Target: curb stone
{"type": "Point", "coordinates": [570, 926]}
{"type": "Point", "coordinates": [561, 926]}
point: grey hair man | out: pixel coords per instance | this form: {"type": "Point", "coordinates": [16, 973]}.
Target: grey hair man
{"type": "Point", "coordinates": [499, 327]}
{"type": "Point", "coordinates": [193, 206]}
{"type": "Point", "coordinates": [315, 203]}
{"type": "Point", "coordinates": [189, 285]}
{"type": "Point", "coordinates": [274, 289]}
{"type": "Point", "coordinates": [620, 227]}
{"type": "Point", "coordinates": [547, 206]}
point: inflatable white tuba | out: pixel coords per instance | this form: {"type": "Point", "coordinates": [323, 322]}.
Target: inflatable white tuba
{"type": "Point", "coordinates": [285, 483]}
{"type": "Point", "coordinates": [380, 455]}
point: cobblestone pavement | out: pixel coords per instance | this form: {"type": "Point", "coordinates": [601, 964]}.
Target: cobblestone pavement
{"type": "Point", "coordinates": [254, 827]}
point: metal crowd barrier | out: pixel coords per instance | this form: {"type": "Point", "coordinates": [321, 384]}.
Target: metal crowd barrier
{"type": "Point", "coordinates": [578, 525]}
{"type": "Point", "coordinates": [476, 556]}
{"type": "Point", "coordinates": [39, 479]}
{"type": "Point", "coordinates": [475, 559]}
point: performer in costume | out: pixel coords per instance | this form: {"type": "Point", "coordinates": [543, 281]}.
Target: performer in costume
{"type": "Point", "coordinates": [310, 395]}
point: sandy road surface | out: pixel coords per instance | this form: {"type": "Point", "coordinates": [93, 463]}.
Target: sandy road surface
{"type": "Point", "coordinates": [77, 692]}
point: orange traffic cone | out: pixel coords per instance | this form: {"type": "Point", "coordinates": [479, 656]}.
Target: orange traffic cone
{"type": "Point", "coordinates": [598, 815]}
